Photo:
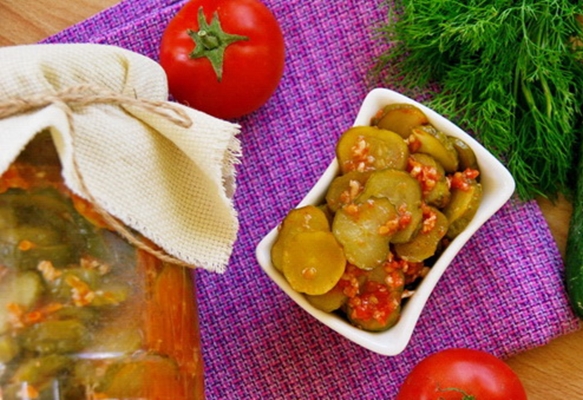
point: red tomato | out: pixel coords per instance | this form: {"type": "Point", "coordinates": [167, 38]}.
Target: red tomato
{"type": "Point", "coordinates": [462, 374]}
{"type": "Point", "coordinates": [245, 43]}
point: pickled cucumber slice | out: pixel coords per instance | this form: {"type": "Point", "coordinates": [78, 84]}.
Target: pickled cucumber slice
{"type": "Point", "coordinates": [425, 244]}
{"type": "Point", "coordinates": [23, 246]}
{"type": "Point", "coordinates": [149, 377]}
{"type": "Point", "coordinates": [365, 229]}
{"type": "Point", "coordinates": [391, 277]}
{"type": "Point", "coordinates": [8, 218]}
{"type": "Point", "coordinates": [345, 188]}
{"type": "Point", "coordinates": [435, 189]}
{"type": "Point", "coordinates": [22, 289]}
{"type": "Point", "coordinates": [39, 370]}
{"type": "Point", "coordinates": [9, 348]}
{"type": "Point", "coordinates": [400, 118]}
{"type": "Point", "coordinates": [127, 380]}
{"type": "Point", "coordinates": [327, 212]}
{"type": "Point", "coordinates": [313, 262]}
{"type": "Point", "coordinates": [37, 235]}
{"type": "Point", "coordinates": [366, 148]}
{"type": "Point", "coordinates": [330, 301]}
{"type": "Point", "coordinates": [404, 192]}
{"type": "Point", "coordinates": [347, 286]}
{"type": "Point", "coordinates": [467, 157]}
{"type": "Point", "coordinates": [16, 258]}
{"type": "Point", "coordinates": [437, 145]}
{"type": "Point", "coordinates": [60, 287]}
{"type": "Point", "coordinates": [377, 307]}
{"type": "Point", "coordinates": [382, 323]}
{"type": "Point", "coordinates": [50, 222]}
{"type": "Point", "coordinates": [304, 219]}
{"type": "Point", "coordinates": [462, 208]}
{"type": "Point", "coordinates": [50, 336]}
{"type": "Point", "coordinates": [440, 195]}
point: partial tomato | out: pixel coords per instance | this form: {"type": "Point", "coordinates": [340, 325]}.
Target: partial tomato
{"type": "Point", "coordinates": [462, 374]}
{"type": "Point", "coordinates": [223, 57]}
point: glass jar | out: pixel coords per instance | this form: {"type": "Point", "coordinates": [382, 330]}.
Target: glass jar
{"type": "Point", "coordinates": [83, 314]}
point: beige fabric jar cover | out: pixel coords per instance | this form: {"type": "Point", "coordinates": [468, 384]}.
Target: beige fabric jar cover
{"type": "Point", "coordinates": [161, 168]}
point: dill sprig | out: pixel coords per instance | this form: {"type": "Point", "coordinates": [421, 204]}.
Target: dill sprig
{"type": "Point", "coordinates": [508, 71]}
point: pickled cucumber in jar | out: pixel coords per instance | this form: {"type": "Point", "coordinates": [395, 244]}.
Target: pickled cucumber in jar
{"type": "Point", "coordinates": [83, 314]}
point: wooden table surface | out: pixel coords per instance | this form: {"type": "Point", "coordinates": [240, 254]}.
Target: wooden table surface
{"type": "Point", "coordinates": [551, 372]}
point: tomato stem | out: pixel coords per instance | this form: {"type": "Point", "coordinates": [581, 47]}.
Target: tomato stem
{"type": "Point", "coordinates": [464, 394]}
{"type": "Point", "coordinates": [211, 41]}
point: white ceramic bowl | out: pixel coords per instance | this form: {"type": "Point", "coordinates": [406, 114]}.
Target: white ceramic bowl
{"type": "Point", "coordinates": [497, 183]}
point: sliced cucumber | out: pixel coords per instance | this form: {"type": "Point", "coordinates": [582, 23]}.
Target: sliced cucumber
{"type": "Point", "coordinates": [19, 288]}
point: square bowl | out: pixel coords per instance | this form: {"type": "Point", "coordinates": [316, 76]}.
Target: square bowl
{"type": "Point", "coordinates": [497, 186]}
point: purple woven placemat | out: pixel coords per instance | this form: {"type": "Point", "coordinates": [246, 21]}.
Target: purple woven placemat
{"type": "Point", "coordinates": [503, 293]}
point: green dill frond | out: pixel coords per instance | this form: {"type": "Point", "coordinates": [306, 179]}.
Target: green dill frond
{"type": "Point", "coordinates": [508, 71]}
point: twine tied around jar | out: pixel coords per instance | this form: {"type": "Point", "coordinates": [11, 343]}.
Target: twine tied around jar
{"type": "Point", "coordinates": [89, 94]}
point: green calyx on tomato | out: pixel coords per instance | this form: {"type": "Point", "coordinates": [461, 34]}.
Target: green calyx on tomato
{"type": "Point", "coordinates": [211, 41]}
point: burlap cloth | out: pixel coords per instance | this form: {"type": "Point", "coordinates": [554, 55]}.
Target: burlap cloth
{"type": "Point", "coordinates": [164, 170]}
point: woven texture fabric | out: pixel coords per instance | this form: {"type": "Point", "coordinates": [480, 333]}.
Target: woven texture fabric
{"type": "Point", "coordinates": [176, 179]}
{"type": "Point", "coordinates": [503, 293]}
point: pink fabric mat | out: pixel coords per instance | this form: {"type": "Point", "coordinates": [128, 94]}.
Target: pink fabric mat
{"type": "Point", "coordinates": [503, 293]}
